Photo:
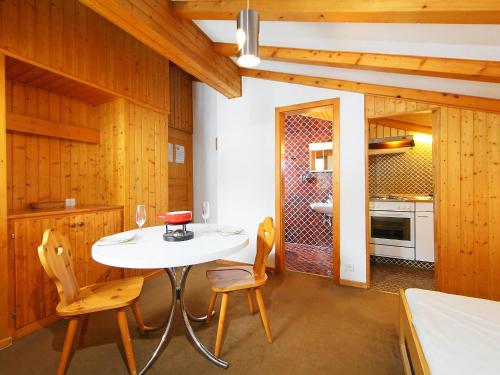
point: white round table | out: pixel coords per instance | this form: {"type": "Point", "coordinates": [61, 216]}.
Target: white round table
{"type": "Point", "coordinates": [150, 251]}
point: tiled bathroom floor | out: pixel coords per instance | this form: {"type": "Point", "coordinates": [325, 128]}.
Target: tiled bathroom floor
{"type": "Point", "coordinates": [308, 258]}
{"type": "Point", "coordinates": [391, 277]}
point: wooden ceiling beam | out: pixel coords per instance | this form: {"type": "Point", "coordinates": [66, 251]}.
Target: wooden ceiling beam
{"type": "Point", "coordinates": [180, 41]}
{"type": "Point", "coordinates": [472, 70]}
{"type": "Point", "coordinates": [455, 100]}
{"type": "Point", "coordinates": [395, 11]}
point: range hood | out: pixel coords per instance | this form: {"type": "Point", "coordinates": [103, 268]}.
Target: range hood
{"type": "Point", "coordinates": [390, 145]}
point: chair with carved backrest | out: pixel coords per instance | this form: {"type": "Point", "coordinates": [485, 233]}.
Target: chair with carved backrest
{"type": "Point", "coordinates": [224, 280]}
{"type": "Point", "coordinates": [78, 303]}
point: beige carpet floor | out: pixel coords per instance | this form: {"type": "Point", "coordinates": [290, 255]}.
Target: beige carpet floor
{"type": "Point", "coordinates": [392, 277]}
{"type": "Point", "coordinates": [318, 327]}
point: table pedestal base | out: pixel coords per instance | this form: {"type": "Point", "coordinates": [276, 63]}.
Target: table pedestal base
{"type": "Point", "coordinates": [178, 289]}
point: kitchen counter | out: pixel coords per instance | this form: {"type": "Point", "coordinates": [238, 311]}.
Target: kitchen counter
{"type": "Point", "coordinates": [402, 200]}
{"type": "Point", "coordinates": [28, 212]}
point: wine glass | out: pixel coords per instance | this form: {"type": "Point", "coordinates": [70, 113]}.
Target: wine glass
{"type": "Point", "coordinates": [140, 215]}
{"type": "Point", "coordinates": [205, 211]}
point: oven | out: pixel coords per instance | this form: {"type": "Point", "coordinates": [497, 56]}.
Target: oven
{"type": "Point", "coordinates": [392, 228]}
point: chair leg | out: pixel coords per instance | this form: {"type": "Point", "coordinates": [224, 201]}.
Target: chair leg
{"type": "Point", "coordinates": [127, 343]}
{"type": "Point", "coordinates": [251, 304]}
{"type": "Point", "coordinates": [263, 314]}
{"type": "Point", "coordinates": [68, 344]}
{"type": "Point", "coordinates": [138, 318]}
{"type": "Point", "coordinates": [83, 330]}
{"type": "Point", "coordinates": [211, 305]}
{"type": "Point", "coordinates": [220, 328]}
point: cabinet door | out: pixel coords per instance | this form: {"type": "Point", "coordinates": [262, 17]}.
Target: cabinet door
{"type": "Point", "coordinates": [97, 225]}
{"type": "Point", "coordinates": [424, 239]}
{"type": "Point", "coordinates": [78, 250]}
{"type": "Point", "coordinates": [29, 273]}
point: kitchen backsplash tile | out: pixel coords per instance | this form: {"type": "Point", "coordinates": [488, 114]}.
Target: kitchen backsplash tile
{"type": "Point", "coordinates": [302, 224]}
{"type": "Point", "coordinates": [406, 173]}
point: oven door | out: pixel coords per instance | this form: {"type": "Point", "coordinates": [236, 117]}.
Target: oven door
{"type": "Point", "coordinates": [392, 228]}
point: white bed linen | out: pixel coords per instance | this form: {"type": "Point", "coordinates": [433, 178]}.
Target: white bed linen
{"type": "Point", "coordinates": [459, 335]}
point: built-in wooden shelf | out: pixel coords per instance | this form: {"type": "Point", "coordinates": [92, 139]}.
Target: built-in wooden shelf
{"type": "Point", "coordinates": [36, 76]}
{"type": "Point", "coordinates": [32, 125]}
{"type": "Point", "coordinates": [27, 213]}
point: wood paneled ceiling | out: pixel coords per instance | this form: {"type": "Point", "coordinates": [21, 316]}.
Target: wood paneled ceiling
{"type": "Point", "coordinates": [398, 11]}
{"type": "Point", "coordinates": [320, 113]}
{"type": "Point", "coordinates": [21, 71]}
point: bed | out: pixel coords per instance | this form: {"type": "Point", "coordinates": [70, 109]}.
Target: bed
{"type": "Point", "coordinates": [448, 334]}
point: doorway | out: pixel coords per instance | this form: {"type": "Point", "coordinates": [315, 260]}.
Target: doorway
{"type": "Point", "coordinates": [400, 196]}
{"type": "Point", "coordinates": [307, 188]}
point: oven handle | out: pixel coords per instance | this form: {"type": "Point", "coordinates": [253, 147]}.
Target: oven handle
{"type": "Point", "coordinates": [392, 214]}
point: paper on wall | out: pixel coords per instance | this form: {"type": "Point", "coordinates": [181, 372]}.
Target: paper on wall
{"type": "Point", "coordinates": [179, 154]}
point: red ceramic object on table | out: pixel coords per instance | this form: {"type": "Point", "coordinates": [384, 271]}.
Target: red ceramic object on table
{"type": "Point", "coordinates": [176, 217]}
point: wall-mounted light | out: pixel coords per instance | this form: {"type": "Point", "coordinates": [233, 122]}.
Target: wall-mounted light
{"type": "Point", "coordinates": [421, 137]}
{"type": "Point", "coordinates": [247, 37]}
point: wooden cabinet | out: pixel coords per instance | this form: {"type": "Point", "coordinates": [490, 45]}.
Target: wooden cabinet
{"type": "Point", "coordinates": [34, 296]}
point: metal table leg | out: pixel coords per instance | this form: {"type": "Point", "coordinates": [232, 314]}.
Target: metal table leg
{"type": "Point", "coordinates": [171, 275]}
{"type": "Point", "coordinates": [185, 314]}
{"type": "Point", "coordinates": [173, 282]}
{"type": "Point", "coordinates": [178, 294]}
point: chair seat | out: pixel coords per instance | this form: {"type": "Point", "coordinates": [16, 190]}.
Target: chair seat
{"type": "Point", "coordinates": [104, 296]}
{"type": "Point", "coordinates": [227, 279]}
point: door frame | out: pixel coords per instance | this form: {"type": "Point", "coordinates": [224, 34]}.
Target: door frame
{"type": "Point", "coordinates": [436, 124]}
{"type": "Point", "coordinates": [280, 113]}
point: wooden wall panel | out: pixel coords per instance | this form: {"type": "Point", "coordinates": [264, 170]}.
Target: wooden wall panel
{"type": "Point", "coordinates": [42, 169]}
{"type": "Point", "coordinates": [466, 152]}
{"type": "Point", "coordinates": [147, 169]}
{"type": "Point", "coordinates": [180, 176]}
{"type": "Point", "coordinates": [181, 99]}
{"type": "Point", "coordinates": [133, 159]}
{"type": "Point", "coordinates": [68, 38]}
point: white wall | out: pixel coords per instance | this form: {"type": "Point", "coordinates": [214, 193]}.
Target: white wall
{"type": "Point", "coordinates": [204, 154]}
{"type": "Point", "coordinates": [245, 179]}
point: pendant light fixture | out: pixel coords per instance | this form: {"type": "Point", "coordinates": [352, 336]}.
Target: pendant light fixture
{"type": "Point", "coordinates": [247, 36]}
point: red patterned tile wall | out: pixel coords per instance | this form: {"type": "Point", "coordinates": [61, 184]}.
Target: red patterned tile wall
{"type": "Point", "coordinates": [302, 224]}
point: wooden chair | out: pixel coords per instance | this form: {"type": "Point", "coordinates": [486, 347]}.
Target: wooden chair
{"type": "Point", "coordinates": [76, 304]}
{"type": "Point", "coordinates": [225, 280]}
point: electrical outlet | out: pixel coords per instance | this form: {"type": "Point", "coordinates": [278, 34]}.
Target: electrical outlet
{"type": "Point", "coordinates": [349, 267]}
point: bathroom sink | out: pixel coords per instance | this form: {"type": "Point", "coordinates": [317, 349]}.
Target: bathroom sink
{"type": "Point", "coordinates": [323, 208]}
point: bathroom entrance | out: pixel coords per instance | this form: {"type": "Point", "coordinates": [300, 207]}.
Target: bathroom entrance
{"type": "Point", "coordinates": [307, 188]}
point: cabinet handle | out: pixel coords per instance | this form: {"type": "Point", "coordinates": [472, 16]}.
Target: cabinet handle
{"type": "Point", "coordinates": [72, 225]}
{"type": "Point", "coordinates": [81, 224]}
{"type": "Point", "coordinates": [423, 216]}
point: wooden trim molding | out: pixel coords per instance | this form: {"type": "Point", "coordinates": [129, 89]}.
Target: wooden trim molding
{"type": "Point", "coordinates": [472, 70]}
{"type": "Point", "coordinates": [32, 125]}
{"type": "Point", "coordinates": [5, 337]}
{"type": "Point", "coordinates": [180, 41]}
{"type": "Point", "coordinates": [355, 284]}
{"type": "Point", "coordinates": [6, 342]}
{"type": "Point", "coordinates": [398, 11]}
{"type": "Point", "coordinates": [280, 113]}
{"type": "Point", "coordinates": [454, 100]}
